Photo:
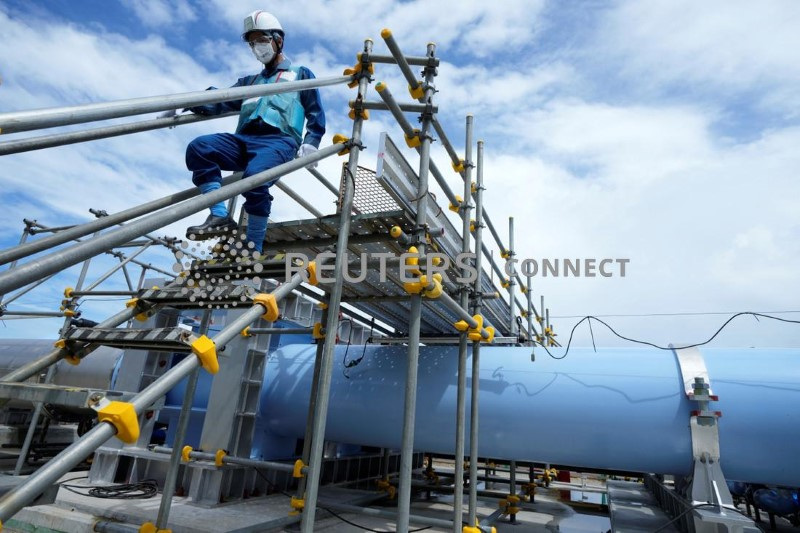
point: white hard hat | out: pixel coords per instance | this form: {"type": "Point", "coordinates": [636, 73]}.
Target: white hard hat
{"type": "Point", "coordinates": [261, 21]}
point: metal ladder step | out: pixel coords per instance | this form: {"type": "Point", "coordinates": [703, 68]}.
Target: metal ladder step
{"type": "Point", "coordinates": [64, 396]}
{"type": "Point", "coordinates": [246, 269]}
{"type": "Point", "coordinates": [175, 339]}
{"type": "Point", "coordinates": [191, 295]}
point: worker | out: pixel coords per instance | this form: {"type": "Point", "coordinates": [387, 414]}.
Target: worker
{"type": "Point", "coordinates": [269, 133]}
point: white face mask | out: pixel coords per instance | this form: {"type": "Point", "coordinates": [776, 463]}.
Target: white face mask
{"type": "Point", "coordinates": [263, 52]}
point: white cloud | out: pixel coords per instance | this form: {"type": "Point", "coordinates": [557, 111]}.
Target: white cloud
{"type": "Point", "coordinates": [467, 27]}
{"type": "Point", "coordinates": [733, 47]}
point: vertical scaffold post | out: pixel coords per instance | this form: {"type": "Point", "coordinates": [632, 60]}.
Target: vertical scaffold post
{"type": "Point", "coordinates": [512, 325]}
{"type": "Point", "coordinates": [464, 211]}
{"type": "Point", "coordinates": [476, 348]}
{"type": "Point", "coordinates": [168, 490]}
{"type": "Point", "coordinates": [531, 332]}
{"type": "Point", "coordinates": [415, 315]}
{"type": "Point", "coordinates": [326, 363]}
{"type": "Point", "coordinates": [312, 402]}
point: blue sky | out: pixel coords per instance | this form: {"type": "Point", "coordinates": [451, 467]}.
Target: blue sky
{"type": "Point", "coordinates": [662, 131]}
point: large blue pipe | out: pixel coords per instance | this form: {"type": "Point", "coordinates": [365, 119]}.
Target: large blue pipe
{"type": "Point", "coordinates": [620, 409]}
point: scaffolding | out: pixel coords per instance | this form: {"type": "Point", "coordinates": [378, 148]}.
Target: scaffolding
{"type": "Point", "coordinates": [388, 214]}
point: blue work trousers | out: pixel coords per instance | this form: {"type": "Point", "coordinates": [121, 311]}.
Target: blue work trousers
{"type": "Point", "coordinates": [208, 155]}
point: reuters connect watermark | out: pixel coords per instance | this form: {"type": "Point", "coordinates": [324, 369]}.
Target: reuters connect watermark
{"type": "Point", "coordinates": [405, 267]}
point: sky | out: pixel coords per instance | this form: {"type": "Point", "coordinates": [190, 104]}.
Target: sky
{"type": "Point", "coordinates": [664, 132]}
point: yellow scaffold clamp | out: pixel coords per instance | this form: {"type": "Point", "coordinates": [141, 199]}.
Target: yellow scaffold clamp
{"type": "Point", "coordinates": [134, 302]}
{"type": "Point", "coordinates": [149, 527]}
{"type": "Point", "coordinates": [437, 289]}
{"type": "Point", "coordinates": [357, 69]}
{"type": "Point", "coordinates": [206, 351]}
{"type": "Point", "coordinates": [363, 113]}
{"type": "Point", "coordinates": [185, 451]}
{"type": "Point", "coordinates": [246, 332]}
{"type": "Point", "coordinates": [413, 261]}
{"type": "Point", "coordinates": [318, 333]}
{"type": "Point", "coordinates": [341, 139]}
{"type": "Point", "coordinates": [123, 417]}
{"type": "Point", "coordinates": [414, 139]}
{"type": "Point", "coordinates": [459, 166]}
{"type": "Point", "coordinates": [298, 504]}
{"type": "Point", "coordinates": [270, 305]}
{"type": "Point", "coordinates": [219, 456]}
{"type": "Point", "coordinates": [474, 334]}
{"type": "Point", "coordinates": [476, 528]}
{"type": "Point", "coordinates": [455, 208]}
{"type": "Point", "coordinates": [388, 488]}
{"type": "Point", "coordinates": [298, 469]}
{"type": "Point", "coordinates": [70, 358]}
{"type": "Point", "coordinates": [313, 277]}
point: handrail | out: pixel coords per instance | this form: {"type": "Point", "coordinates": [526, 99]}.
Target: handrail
{"type": "Point", "coordinates": [75, 232]}
{"type": "Point", "coordinates": [60, 139]}
{"type": "Point", "coordinates": [62, 116]}
{"type": "Point", "coordinates": [61, 259]}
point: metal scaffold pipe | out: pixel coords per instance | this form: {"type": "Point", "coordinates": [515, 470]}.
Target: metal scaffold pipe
{"type": "Point", "coordinates": [60, 139]}
{"type": "Point", "coordinates": [75, 232]}
{"type": "Point", "coordinates": [414, 319]}
{"type": "Point", "coordinates": [335, 297]}
{"type": "Point", "coordinates": [397, 54]}
{"type": "Point", "coordinates": [228, 460]}
{"type": "Point", "coordinates": [476, 347]}
{"type": "Point", "coordinates": [420, 61]}
{"type": "Point", "coordinates": [299, 199]}
{"type": "Point", "coordinates": [62, 259]}
{"type": "Point", "coordinates": [323, 180]}
{"type": "Point", "coordinates": [461, 389]}
{"type": "Point", "coordinates": [62, 116]}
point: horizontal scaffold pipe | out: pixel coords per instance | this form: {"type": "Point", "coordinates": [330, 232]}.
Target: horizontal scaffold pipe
{"type": "Point", "coordinates": [65, 461]}
{"type": "Point", "coordinates": [73, 137]}
{"type": "Point", "coordinates": [62, 116]}
{"type": "Point", "coordinates": [381, 106]}
{"type": "Point", "coordinates": [75, 232]}
{"type": "Point", "coordinates": [62, 259]}
{"type": "Point", "coordinates": [420, 61]}
{"type": "Point", "coordinates": [227, 459]}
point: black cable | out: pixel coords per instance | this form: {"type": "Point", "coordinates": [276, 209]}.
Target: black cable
{"type": "Point", "coordinates": [358, 360]}
{"type": "Point", "coordinates": [147, 488]}
{"type": "Point", "coordinates": [646, 343]}
{"type": "Point", "coordinates": [591, 332]}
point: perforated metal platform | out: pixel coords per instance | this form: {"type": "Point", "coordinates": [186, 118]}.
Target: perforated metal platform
{"type": "Point", "coordinates": [393, 186]}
